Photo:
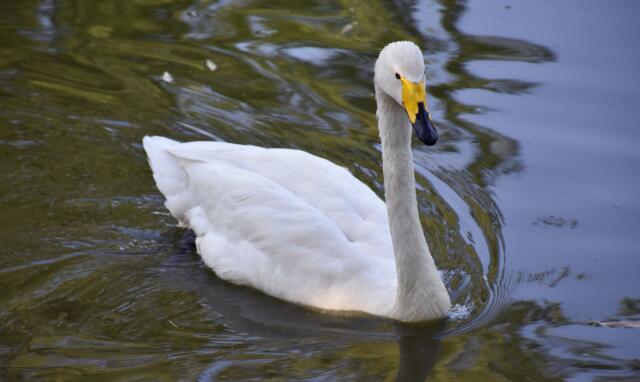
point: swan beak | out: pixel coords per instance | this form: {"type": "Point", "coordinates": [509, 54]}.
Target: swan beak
{"type": "Point", "coordinates": [424, 127]}
{"type": "Point", "coordinates": [414, 101]}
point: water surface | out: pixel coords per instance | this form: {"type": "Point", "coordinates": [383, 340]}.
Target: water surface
{"type": "Point", "coordinates": [528, 200]}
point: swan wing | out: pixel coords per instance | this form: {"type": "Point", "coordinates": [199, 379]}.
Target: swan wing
{"type": "Point", "coordinates": [280, 221]}
{"type": "Point", "coordinates": [357, 211]}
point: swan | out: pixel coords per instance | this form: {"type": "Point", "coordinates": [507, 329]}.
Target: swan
{"type": "Point", "coordinates": [303, 229]}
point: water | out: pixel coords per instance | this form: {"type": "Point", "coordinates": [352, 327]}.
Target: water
{"type": "Point", "coordinates": [528, 199]}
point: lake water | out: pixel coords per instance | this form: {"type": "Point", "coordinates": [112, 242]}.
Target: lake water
{"type": "Point", "coordinates": [529, 200]}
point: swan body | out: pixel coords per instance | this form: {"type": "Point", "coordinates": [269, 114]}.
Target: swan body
{"type": "Point", "coordinates": [305, 230]}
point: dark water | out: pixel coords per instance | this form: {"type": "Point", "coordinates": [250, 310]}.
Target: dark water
{"type": "Point", "coordinates": [529, 200]}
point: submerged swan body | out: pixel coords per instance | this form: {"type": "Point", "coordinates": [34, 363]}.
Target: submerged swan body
{"type": "Point", "coordinates": [305, 230]}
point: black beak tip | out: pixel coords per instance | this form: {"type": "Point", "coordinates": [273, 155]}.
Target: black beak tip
{"type": "Point", "coordinates": [431, 140]}
{"type": "Point", "coordinates": [424, 127]}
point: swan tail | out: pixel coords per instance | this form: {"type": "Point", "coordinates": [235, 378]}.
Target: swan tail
{"type": "Point", "coordinates": [170, 177]}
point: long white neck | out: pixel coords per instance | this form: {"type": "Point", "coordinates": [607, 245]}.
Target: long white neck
{"type": "Point", "coordinates": [421, 295]}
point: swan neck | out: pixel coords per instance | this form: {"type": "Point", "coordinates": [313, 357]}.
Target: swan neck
{"type": "Point", "coordinates": [421, 294]}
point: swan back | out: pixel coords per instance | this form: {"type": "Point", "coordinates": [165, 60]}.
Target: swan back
{"type": "Point", "coordinates": [283, 221]}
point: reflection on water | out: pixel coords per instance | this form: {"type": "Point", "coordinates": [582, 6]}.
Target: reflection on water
{"type": "Point", "coordinates": [98, 281]}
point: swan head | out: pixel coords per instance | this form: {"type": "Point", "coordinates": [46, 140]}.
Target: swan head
{"type": "Point", "coordinates": [399, 72]}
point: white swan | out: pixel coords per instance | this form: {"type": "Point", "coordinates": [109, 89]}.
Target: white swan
{"type": "Point", "coordinates": [305, 230]}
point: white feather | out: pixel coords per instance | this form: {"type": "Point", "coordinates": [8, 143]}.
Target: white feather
{"type": "Point", "coordinates": [283, 221]}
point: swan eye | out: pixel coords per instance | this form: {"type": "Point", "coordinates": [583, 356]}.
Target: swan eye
{"type": "Point", "coordinates": [397, 76]}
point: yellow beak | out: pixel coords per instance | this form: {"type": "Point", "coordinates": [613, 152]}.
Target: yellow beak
{"type": "Point", "coordinates": [412, 94]}
{"type": "Point", "coordinates": [415, 103]}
